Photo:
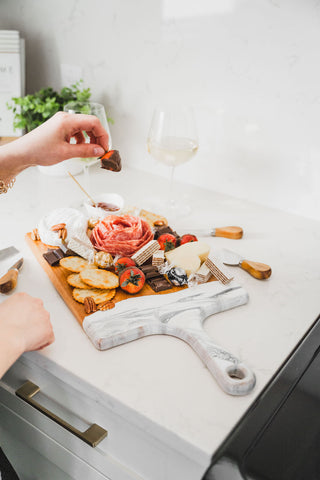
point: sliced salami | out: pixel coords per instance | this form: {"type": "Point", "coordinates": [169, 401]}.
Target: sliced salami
{"type": "Point", "coordinates": [121, 235]}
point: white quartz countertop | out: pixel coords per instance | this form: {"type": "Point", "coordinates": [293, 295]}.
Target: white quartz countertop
{"type": "Point", "coordinates": [160, 378]}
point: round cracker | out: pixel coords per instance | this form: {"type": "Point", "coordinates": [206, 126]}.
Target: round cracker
{"type": "Point", "coordinates": [95, 277]}
{"type": "Point", "coordinates": [75, 281]}
{"type": "Point", "coordinates": [98, 295]}
{"type": "Point", "coordinates": [74, 264]}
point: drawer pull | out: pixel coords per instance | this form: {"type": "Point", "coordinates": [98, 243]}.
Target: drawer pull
{"type": "Point", "coordinates": [93, 435]}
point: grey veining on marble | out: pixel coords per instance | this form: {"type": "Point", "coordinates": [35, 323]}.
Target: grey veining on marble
{"type": "Point", "coordinates": [179, 314]}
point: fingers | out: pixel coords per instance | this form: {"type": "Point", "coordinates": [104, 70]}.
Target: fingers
{"type": "Point", "coordinates": [84, 150]}
{"type": "Point", "coordinates": [92, 138]}
{"type": "Point", "coordinates": [91, 125]}
{"type": "Point", "coordinates": [80, 137]}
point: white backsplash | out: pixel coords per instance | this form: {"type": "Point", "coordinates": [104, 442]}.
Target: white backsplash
{"type": "Point", "coordinates": [250, 68]}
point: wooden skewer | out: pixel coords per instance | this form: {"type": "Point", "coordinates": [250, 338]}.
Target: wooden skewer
{"type": "Point", "coordinates": [84, 191]}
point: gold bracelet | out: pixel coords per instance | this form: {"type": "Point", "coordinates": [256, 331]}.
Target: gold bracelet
{"type": "Point", "coordinates": [4, 186]}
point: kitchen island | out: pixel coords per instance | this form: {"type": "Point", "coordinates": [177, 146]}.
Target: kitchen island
{"type": "Point", "coordinates": [157, 384]}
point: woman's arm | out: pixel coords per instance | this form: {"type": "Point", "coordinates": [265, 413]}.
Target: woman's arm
{"type": "Point", "coordinates": [24, 323]}
{"type": "Point", "coordinates": [50, 144]}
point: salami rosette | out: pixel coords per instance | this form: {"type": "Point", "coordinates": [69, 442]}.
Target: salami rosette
{"type": "Point", "coordinates": [121, 235]}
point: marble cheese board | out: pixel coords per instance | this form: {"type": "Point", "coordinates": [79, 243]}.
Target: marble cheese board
{"type": "Point", "coordinates": [180, 313]}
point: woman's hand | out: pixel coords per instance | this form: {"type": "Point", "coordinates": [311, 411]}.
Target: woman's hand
{"type": "Point", "coordinates": [49, 143]}
{"type": "Point", "coordinates": [24, 325]}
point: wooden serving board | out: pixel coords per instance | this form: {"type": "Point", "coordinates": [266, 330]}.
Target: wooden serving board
{"type": "Point", "coordinates": [58, 276]}
{"type": "Point", "coordinates": [176, 312]}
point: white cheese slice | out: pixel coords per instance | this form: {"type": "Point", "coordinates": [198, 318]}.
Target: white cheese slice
{"type": "Point", "coordinates": [188, 256]}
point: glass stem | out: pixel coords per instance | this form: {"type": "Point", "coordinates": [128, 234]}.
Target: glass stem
{"type": "Point", "coordinates": [171, 190]}
{"type": "Point", "coordinates": [86, 176]}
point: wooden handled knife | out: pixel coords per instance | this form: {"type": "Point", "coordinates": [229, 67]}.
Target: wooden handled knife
{"type": "Point", "coordinates": [258, 270]}
{"type": "Point", "coordinates": [234, 233]}
{"type": "Point", "coordinates": [9, 281]}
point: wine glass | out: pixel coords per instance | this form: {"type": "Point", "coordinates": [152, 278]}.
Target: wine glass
{"type": "Point", "coordinates": [89, 108]}
{"type": "Point", "coordinates": [173, 140]}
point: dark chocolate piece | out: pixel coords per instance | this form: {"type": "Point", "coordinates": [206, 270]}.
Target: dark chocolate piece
{"type": "Point", "coordinates": [152, 274]}
{"type": "Point", "coordinates": [111, 160]}
{"type": "Point", "coordinates": [146, 268]}
{"type": "Point", "coordinates": [166, 229]}
{"type": "Point", "coordinates": [159, 284]}
{"type": "Point", "coordinates": [155, 279]}
{"type": "Point", "coordinates": [53, 256]}
{"type": "Point", "coordinates": [150, 271]}
{"type": "Point", "coordinates": [161, 230]}
{"type": "Point", "coordinates": [178, 239]}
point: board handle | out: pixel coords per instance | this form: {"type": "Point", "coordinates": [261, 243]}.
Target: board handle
{"type": "Point", "coordinates": [261, 271]}
{"type": "Point", "coordinates": [233, 376]}
{"type": "Point", "coordinates": [228, 232]}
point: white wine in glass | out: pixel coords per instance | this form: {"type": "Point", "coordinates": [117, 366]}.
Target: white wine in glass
{"type": "Point", "coordinates": [173, 140]}
{"type": "Point", "coordinates": [90, 108]}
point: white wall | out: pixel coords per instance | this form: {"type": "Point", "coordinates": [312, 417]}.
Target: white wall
{"type": "Point", "coordinates": [251, 69]}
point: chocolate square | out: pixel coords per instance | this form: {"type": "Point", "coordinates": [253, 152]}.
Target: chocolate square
{"type": "Point", "coordinates": [147, 268]}
{"type": "Point", "coordinates": [159, 284]}
{"type": "Point", "coordinates": [53, 256]}
{"type": "Point", "coordinates": [161, 230]}
{"type": "Point", "coordinates": [152, 274]}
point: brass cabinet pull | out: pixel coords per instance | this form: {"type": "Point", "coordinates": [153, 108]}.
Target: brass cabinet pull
{"type": "Point", "coordinates": [93, 435]}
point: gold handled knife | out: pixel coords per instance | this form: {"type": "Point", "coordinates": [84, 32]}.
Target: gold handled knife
{"type": "Point", "coordinates": [9, 281]}
{"type": "Point", "coordinates": [258, 270]}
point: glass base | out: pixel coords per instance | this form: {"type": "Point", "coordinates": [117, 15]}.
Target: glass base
{"type": "Point", "coordinates": [73, 165]}
{"type": "Point", "coordinates": [171, 209]}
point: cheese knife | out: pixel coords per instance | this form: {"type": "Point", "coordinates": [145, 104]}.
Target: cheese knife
{"type": "Point", "coordinates": [258, 270]}
{"type": "Point", "coordinates": [8, 252]}
{"type": "Point", "coordinates": [9, 281]}
{"type": "Point", "coordinates": [227, 232]}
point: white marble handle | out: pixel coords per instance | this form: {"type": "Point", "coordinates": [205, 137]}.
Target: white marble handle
{"type": "Point", "coordinates": [233, 376]}
{"type": "Point", "coordinates": [180, 314]}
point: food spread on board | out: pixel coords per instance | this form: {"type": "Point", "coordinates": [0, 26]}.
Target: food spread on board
{"type": "Point", "coordinates": [95, 263]}
{"type": "Point", "coordinates": [127, 251]}
{"type": "Point", "coordinates": [131, 252]}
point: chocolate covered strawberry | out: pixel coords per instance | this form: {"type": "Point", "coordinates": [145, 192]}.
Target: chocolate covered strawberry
{"type": "Point", "coordinates": [188, 238]}
{"type": "Point", "coordinates": [167, 242]}
{"type": "Point", "coordinates": [111, 160]}
{"type": "Point", "coordinates": [132, 280]}
{"type": "Point", "coordinates": [122, 263]}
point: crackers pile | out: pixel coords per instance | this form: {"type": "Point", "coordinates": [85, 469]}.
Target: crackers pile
{"type": "Point", "coordinates": [89, 281]}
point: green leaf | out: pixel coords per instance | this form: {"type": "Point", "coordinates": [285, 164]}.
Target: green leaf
{"type": "Point", "coordinates": [32, 110]}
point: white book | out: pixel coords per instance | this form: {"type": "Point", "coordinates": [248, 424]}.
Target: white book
{"type": "Point", "coordinates": [12, 79]}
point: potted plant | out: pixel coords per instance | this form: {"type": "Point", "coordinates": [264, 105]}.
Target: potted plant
{"type": "Point", "coordinates": [32, 110]}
